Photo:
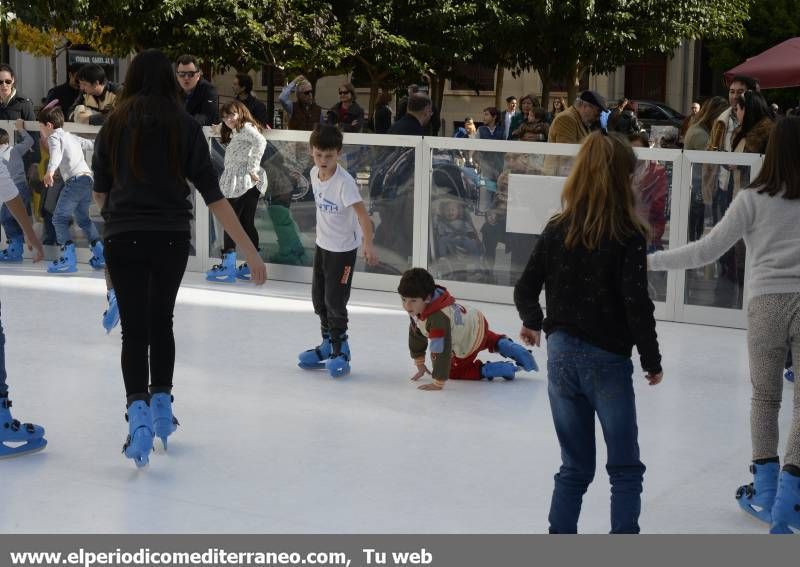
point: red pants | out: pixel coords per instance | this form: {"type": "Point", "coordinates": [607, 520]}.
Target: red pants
{"type": "Point", "coordinates": [469, 368]}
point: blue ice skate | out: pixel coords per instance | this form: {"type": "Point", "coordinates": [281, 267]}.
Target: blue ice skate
{"type": "Point", "coordinates": [786, 510]}
{"type": "Point", "coordinates": [243, 272]}
{"type": "Point", "coordinates": [140, 433]}
{"type": "Point", "coordinates": [757, 497]}
{"type": "Point", "coordinates": [67, 263]}
{"type": "Point", "coordinates": [98, 259]}
{"type": "Point", "coordinates": [164, 423]}
{"type": "Point", "coordinates": [789, 374]}
{"type": "Point", "coordinates": [314, 358]}
{"type": "Point", "coordinates": [224, 272]}
{"type": "Point", "coordinates": [16, 246]}
{"type": "Point", "coordinates": [339, 365]}
{"type": "Point", "coordinates": [492, 370]}
{"type": "Point", "coordinates": [24, 437]}
{"type": "Point", "coordinates": [518, 353]}
{"type": "Point", "coordinates": [111, 315]}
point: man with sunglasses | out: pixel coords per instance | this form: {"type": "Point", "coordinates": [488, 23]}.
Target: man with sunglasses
{"type": "Point", "coordinates": [199, 96]}
{"type": "Point", "coordinates": [304, 114]}
{"type": "Point", "coordinates": [12, 104]}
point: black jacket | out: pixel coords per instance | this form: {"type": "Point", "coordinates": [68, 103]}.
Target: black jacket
{"type": "Point", "coordinates": [203, 103]}
{"type": "Point", "coordinates": [257, 108]}
{"type": "Point", "coordinates": [65, 94]}
{"type": "Point", "coordinates": [408, 125]}
{"type": "Point", "coordinates": [382, 120]}
{"type": "Point", "coordinates": [17, 107]}
{"type": "Point", "coordinates": [160, 201]}
{"type": "Point", "coordinates": [599, 296]}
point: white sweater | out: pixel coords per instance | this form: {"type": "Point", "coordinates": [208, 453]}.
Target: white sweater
{"type": "Point", "coordinates": [770, 227]}
{"type": "Point", "coordinates": [243, 157]}
{"type": "Point", "coordinates": [66, 154]}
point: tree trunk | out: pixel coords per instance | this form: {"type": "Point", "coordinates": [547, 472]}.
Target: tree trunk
{"type": "Point", "coordinates": [573, 79]}
{"type": "Point", "coordinates": [498, 88]}
{"type": "Point", "coordinates": [437, 93]}
{"type": "Point", "coordinates": [54, 68]}
{"type": "Point", "coordinates": [270, 80]}
{"type": "Point", "coordinates": [547, 82]}
{"type": "Point", "coordinates": [5, 52]}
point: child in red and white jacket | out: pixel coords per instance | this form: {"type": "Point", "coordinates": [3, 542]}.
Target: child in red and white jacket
{"type": "Point", "coordinates": [454, 334]}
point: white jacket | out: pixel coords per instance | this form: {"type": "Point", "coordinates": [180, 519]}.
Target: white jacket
{"type": "Point", "coordinates": [243, 157]}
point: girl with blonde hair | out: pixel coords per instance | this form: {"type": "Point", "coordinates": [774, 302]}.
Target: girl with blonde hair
{"type": "Point", "coordinates": [591, 261]}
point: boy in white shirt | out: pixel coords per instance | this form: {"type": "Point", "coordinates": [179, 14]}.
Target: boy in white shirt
{"type": "Point", "coordinates": [66, 155]}
{"type": "Point", "coordinates": [11, 156]}
{"type": "Point", "coordinates": [343, 224]}
{"type": "Point", "coordinates": [22, 438]}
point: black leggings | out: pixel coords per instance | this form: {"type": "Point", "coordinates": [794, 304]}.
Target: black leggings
{"type": "Point", "coordinates": [245, 208]}
{"type": "Point", "coordinates": [146, 269]}
{"type": "Point", "coordinates": [330, 291]}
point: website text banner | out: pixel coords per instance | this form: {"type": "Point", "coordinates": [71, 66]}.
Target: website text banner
{"type": "Point", "coordinates": [394, 550]}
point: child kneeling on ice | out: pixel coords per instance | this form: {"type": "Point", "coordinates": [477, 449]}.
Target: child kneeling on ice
{"type": "Point", "coordinates": [454, 334]}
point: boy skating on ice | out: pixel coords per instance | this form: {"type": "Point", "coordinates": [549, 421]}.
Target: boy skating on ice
{"type": "Point", "coordinates": [454, 334]}
{"type": "Point", "coordinates": [343, 224]}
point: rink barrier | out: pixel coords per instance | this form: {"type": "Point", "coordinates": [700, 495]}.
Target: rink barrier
{"type": "Point", "coordinates": [685, 296]}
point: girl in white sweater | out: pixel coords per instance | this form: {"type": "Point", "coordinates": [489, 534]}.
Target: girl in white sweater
{"type": "Point", "coordinates": [242, 182]}
{"type": "Point", "coordinates": [766, 216]}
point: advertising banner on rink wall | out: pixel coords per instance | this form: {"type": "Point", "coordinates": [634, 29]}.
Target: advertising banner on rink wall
{"type": "Point", "coordinates": [395, 550]}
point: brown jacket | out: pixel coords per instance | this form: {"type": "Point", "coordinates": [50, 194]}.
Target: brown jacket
{"type": "Point", "coordinates": [303, 118]}
{"type": "Point", "coordinates": [567, 128]}
{"type": "Point", "coordinates": [716, 142]}
{"type": "Point", "coordinates": [754, 142]}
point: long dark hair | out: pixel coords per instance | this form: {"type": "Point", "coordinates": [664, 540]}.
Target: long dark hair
{"type": "Point", "coordinates": [755, 109]}
{"type": "Point", "coordinates": [781, 169]}
{"type": "Point", "coordinates": [150, 100]}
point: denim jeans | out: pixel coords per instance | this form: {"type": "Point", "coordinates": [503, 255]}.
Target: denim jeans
{"type": "Point", "coordinates": [10, 224]}
{"type": "Point", "coordinates": [3, 387]}
{"type": "Point", "coordinates": [75, 198]}
{"type": "Point", "coordinates": [584, 380]}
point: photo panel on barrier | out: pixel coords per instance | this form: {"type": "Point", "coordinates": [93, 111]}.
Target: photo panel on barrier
{"type": "Point", "coordinates": [286, 215]}
{"type": "Point", "coordinates": [721, 283]}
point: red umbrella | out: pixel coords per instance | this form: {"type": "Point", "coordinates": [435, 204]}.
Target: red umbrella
{"type": "Point", "coordinates": [777, 67]}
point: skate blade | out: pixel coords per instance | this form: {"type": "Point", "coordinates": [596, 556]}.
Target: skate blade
{"type": "Point", "coordinates": [762, 515]}
{"type": "Point", "coordinates": [228, 279]}
{"type": "Point", "coordinates": [784, 529]}
{"type": "Point", "coordinates": [26, 448]}
{"type": "Point", "coordinates": [311, 365]}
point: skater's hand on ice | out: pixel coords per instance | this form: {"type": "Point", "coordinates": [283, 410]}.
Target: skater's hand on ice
{"type": "Point", "coordinates": [654, 379]}
{"type": "Point", "coordinates": [530, 337]}
{"type": "Point", "coordinates": [258, 270]}
{"type": "Point", "coordinates": [47, 180]}
{"type": "Point", "coordinates": [369, 254]}
{"type": "Point", "coordinates": [435, 385]}
{"type": "Point", "coordinates": [36, 248]}
{"type": "Point", "coordinates": [422, 370]}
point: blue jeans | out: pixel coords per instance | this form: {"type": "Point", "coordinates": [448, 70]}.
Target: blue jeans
{"type": "Point", "coordinates": [75, 198]}
{"type": "Point", "coordinates": [3, 387]}
{"type": "Point", "coordinates": [584, 380]}
{"type": "Point", "coordinates": [10, 224]}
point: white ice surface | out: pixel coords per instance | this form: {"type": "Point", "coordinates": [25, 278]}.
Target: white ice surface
{"type": "Point", "coordinates": [267, 447]}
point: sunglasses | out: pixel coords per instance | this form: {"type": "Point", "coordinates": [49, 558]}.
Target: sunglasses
{"type": "Point", "coordinates": [187, 74]}
{"type": "Point", "coordinates": [7, 81]}
{"type": "Point", "coordinates": [343, 92]}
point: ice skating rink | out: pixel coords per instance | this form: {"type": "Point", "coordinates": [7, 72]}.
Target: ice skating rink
{"type": "Point", "coordinates": [266, 447]}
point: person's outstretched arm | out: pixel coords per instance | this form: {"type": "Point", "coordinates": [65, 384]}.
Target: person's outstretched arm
{"type": "Point", "coordinates": [224, 212]}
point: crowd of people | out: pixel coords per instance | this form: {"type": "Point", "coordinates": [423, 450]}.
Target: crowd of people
{"type": "Point", "coordinates": [591, 258]}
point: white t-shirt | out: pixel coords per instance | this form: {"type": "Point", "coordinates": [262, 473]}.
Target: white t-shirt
{"type": "Point", "coordinates": [337, 224]}
{"type": "Point", "coordinates": [7, 188]}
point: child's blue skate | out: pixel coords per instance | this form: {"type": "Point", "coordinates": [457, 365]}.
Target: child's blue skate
{"type": "Point", "coordinates": [25, 438]}
{"type": "Point", "coordinates": [314, 358]}
{"type": "Point", "coordinates": [164, 423]}
{"type": "Point", "coordinates": [789, 374]}
{"type": "Point", "coordinates": [67, 263]}
{"type": "Point", "coordinates": [98, 259]}
{"type": "Point", "coordinates": [518, 353]}
{"type": "Point", "coordinates": [786, 510]}
{"type": "Point", "coordinates": [111, 315]}
{"type": "Point", "coordinates": [492, 370]}
{"type": "Point", "coordinates": [243, 272]}
{"type": "Point", "coordinates": [224, 272]}
{"type": "Point", "coordinates": [339, 365]}
{"type": "Point", "coordinates": [140, 433]}
{"type": "Point", "coordinates": [758, 497]}
{"type": "Point", "coordinates": [16, 246]}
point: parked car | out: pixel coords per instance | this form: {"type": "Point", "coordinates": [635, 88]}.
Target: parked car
{"type": "Point", "coordinates": [651, 113]}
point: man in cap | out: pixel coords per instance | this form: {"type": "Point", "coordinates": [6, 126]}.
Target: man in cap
{"type": "Point", "coordinates": [571, 127]}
